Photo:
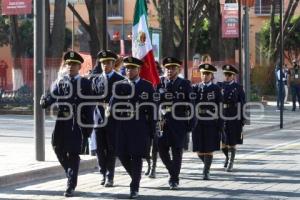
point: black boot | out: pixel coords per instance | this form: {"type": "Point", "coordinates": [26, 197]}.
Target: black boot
{"type": "Point", "coordinates": [147, 172]}
{"type": "Point", "coordinates": [201, 157]}
{"type": "Point", "coordinates": [207, 163]}
{"type": "Point", "coordinates": [231, 161]}
{"type": "Point", "coordinates": [225, 151]}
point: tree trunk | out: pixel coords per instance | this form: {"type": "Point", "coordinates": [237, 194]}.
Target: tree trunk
{"type": "Point", "coordinates": [94, 29]}
{"type": "Point", "coordinates": [287, 18]}
{"type": "Point", "coordinates": [57, 38]}
{"type": "Point", "coordinates": [16, 51]}
{"type": "Point", "coordinates": [272, 32]}
{"type": "Point", "coordinates": [216, 52]}
{"type": "Point", "coordinates": [99, 22]}
{"type": "Point", "coordinates": [167, 25]}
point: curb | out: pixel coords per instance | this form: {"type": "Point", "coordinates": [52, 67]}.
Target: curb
{"type": "Point", "coordinates": [57, 170]}
{"type": "Point", "coordinates": [16, 112]}
{"type": "Point", "coordinates": [271, 127]}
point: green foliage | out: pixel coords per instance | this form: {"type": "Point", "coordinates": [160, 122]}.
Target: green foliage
{"type": "Point", "coordinates": [4, 31]}
{"type": "Point", "coordinates": [292, 42]}
{"type": "Point", "coordinates": [26, 36]}
{"type": "Point", "coordinates": [203, 42]}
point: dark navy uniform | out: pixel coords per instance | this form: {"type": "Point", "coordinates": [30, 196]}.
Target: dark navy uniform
{"type": "Point", "coordinates": [233, 103]}
{"type": "Point", "coordinates": [294, 75]}
{"type": "Point", "coordinates": [67, 134]}
{"type": "Point", "coordinates": [174, 130]}
{"type": "Point", "coordinates": [102, 85]}
{"type": "Point", "coordinates": [136, 126]}
{"type": "Point", "coordinates": [206, 133]}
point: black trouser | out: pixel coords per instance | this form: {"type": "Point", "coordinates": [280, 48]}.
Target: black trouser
{"type": "Point", "coordinates": [133, 165]}
{"type": "Point", "coordinates": [173, 165]}
{"type": "Point", "coordinates": [105, 154]}
{"type": "Point", "coordinates": [154, 150]}
{"type": "Point", "coordinates": [295, 91]}
{"type": "Point", "coordinates": [280, 96]}
{"type": "Point", "coordinates": [70, 163]}
{"type": "Point", "coordinates": [85, 146]}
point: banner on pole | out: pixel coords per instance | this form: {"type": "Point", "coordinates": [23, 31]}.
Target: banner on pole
{"type": "Point", "coordinates": [230, 20]}
{"type": "Point", "coordinates": [16, 7]}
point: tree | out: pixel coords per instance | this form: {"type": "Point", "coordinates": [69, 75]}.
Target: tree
{"type": "Point", "coordinates": [21, 38]}
{"type": "Point", "coordinates": [95, 13]}
{"type": "Point", "coordinates": [291, 43]}
{"type": "Point", "coordinates": [273, 48]}
{"type": "Point", "coordinates": [55, 37]}
{"type": "Point", "coordinates": [4, 31]}
{"type": "Point", "coordinates": [171, 18]}
{"type": "Point", "coordinates": [204, 28]}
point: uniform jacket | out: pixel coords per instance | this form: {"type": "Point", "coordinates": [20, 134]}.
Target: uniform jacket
{"type": "Point", "coordinates": [234, 101]}
{"type": "Point", "coordinates": [174, 130]}
{"type": "Point", "coordinates": [103, 86]}
{"type": "Point", "coordinates": [207, 131]}
{"type": "Point", "coordinates": [133, 135]}
{"type": "Point", "coordinates": [67, 134]}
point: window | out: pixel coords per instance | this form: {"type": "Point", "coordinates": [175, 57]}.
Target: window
{"type": "Point", "coordinates": [263, 7]}
{"type": "Point", "coordinates": [114, 8]}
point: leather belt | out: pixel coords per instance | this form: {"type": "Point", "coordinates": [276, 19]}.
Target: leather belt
{"type": "Point", "coordinates": [227, 105]}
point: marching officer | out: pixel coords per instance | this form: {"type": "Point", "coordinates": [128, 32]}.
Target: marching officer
{"type": "Point", "coordinates": [208, 125]}
{"type": "Point", "coordinates": [173, 89]}
{"type": "Point", "coordinates": [102, 85]}
{"type": "Point", "coordinates": [151, 170]}
{"type": "Point", "coordinates": [136, 124]}
{"type": "Point", "coordinates": [67, 134]}
{"type": "Point", "coordinates": [294, 79]}
{"type": "Point", "coordinates": [233, 103]}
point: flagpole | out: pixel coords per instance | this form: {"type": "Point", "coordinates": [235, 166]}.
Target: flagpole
{"type": "Point", "coordinates": [186, 39]}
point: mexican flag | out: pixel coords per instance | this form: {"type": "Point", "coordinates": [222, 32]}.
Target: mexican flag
{"type": "Point", "coordinates": [141, 43]}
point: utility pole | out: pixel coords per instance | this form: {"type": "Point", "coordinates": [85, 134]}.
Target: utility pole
{"type": "Point", "coordinates": [240, 43]}
{"type": "Point", "coordinates": [246, 69]}
{"type": "Point", "coordinates": [280, 66]}
{"type": "Point", "coordinates": [104, 22]}
{"type": "Point", "coordinates": [39, 63]}
{"type": "Point", "coordinates": [73, 27]}
{"type": "Point", "coordinates": [246, 54]}
{"type": "Point", "coordinates": [186, 37]}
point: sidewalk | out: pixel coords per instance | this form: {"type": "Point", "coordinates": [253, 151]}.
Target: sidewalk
{"type": "Point", "coordinates": [18, 160]}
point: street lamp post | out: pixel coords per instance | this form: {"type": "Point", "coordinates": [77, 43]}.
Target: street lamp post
{"type": "Point", "coordinates": [281, 65]}
{"type": "Point", "coordinates": [104, 30]}
{"type": "Point", "coordinates": [240, 43]}
{"type": "Point", "coordinates": [73, 2]}
{"type": "Point", "coordinates": [39, 63]}
{"type": "Point", "coordinates": [246, 66]}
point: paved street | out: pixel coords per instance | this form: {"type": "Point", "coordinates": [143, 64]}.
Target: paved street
{"type": "Point", "coordinates": [267, 167]}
